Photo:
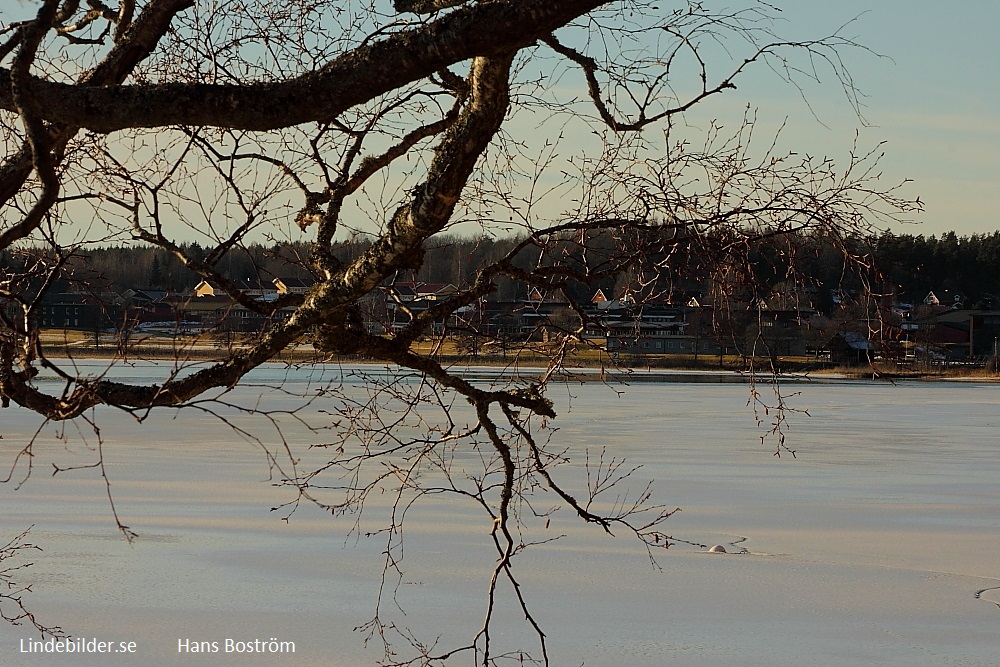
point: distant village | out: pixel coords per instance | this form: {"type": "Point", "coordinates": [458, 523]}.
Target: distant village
{"type": "Point", "coordinates": [940, 329]}
{"type": "Point", "coordinates": [842, 325]}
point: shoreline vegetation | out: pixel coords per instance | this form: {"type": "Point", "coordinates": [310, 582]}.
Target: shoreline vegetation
{"type": "Point", "coordinates": [584, 366]}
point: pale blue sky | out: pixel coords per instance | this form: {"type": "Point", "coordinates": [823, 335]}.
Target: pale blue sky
{"type": "Point", "coordinates": [936, 102]}
{"type": "Point", "coordinates": [934, 98]}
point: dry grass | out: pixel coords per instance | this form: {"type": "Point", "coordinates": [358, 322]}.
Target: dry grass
{"type": "Point", "coordinates": [893, 371]}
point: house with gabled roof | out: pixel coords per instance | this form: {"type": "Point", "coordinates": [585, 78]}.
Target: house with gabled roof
{"type": "Point", "coordinates": [256, 288]}
{"type": "Point", "coordinates": [947, 298]}
{"type": "Point", "coordinates": [406, 290]}
{"type": "Point", "coordinates": [207, 288]}
{"type": "Point", "coordinates": [599, 297]}
{"type": "Point", "coordinates": [404, 297]}
{"type": "Point", "coordinates": [632, 327]}
{"type": "Point", "coordinates": [851, 348]}
{"type": "Point", "coordinates": [293, 285]}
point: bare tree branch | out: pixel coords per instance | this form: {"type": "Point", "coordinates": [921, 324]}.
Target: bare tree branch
{"type": "Point", "coordinates": [351, 79]}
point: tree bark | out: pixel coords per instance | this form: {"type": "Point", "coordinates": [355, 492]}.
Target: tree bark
{"type": "Point", "coordinates": [350, 79]}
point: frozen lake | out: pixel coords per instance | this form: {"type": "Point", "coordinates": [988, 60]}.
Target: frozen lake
{"type": "Point", "coordinates": [868, 548]}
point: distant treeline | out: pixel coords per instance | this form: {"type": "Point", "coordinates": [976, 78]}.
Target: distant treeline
{"type": "Point", "coordinates": [118, 268]}
{"type": "Point", "coordinates": [969, 265]}
{"type": "Point", "coordinates": [912, 265]}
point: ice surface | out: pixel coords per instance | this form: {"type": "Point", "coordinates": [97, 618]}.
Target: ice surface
{"type": "Point", "coordinates": [869, 547]}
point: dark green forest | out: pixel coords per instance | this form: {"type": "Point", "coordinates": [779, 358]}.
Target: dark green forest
{"type": "Point", "coordinates": [969, 265]}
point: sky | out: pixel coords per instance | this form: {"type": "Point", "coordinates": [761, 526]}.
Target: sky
{"type": "Point", "coordinates": [934, 98]}
{"type": "Point", "coordinates": [932, 95]}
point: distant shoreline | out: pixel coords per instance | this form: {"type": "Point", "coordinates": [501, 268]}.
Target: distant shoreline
{"type": "Point", "coordinates": [585, 370]}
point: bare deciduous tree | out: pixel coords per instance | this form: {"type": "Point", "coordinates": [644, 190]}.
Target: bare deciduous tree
{"type": "Point", "coordinates": [552, 121]}
{"type": "Point", "coordinates": [12, 592]}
